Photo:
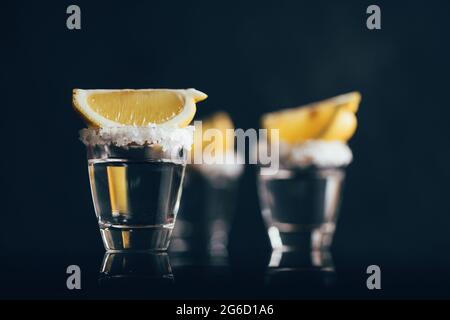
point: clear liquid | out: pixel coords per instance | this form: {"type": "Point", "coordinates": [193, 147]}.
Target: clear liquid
{"type": "Point", "coordinates": [207, 211]}
{"type": "Point", "coordinates": [136, 203]}
{"type": "Point", "coordinates": [300, 206]}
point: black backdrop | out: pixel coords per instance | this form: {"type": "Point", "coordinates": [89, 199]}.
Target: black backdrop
{"type": "Point", "coordinates": [250, 57]}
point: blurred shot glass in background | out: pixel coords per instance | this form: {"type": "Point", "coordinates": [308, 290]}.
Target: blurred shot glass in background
{"type": "Point", "coordinates": [300, 204]}
{"type": "Point", "coordinates": [136, 176]}
{"type": "Point", "coordinates": [207, 210]}
{"type": "Point", "coordinates": [300, 201]}
{"type": "Point", "coordinates": [210, 189]}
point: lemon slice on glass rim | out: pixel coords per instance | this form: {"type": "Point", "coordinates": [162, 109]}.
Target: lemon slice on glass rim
{"type": "Point", "coordinates": [101, 108]}
{"type": "Point", "coordinates": [330, 120]}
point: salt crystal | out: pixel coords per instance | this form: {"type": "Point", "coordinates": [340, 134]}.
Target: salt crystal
{"type": "Point", "coordinates": [319, 153]}
{"type": "Point", "coordinates": [167, 137]}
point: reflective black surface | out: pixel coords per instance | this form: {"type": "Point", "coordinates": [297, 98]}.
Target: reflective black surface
{"type": "Point", "coordinates": [243, 275]}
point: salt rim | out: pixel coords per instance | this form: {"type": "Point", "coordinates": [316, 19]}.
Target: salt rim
{"type": "Point", "coordinates": [318, 153]}
{"type": "Point", "coordinates": [169, 138]}
{"type": "Point", "coordinates": [231, 168]}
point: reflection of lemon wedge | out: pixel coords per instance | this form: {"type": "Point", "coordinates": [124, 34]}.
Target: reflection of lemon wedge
{"type": "Point", "coordinates": [220, 140]}
{"type": "Point", "coordinates": [112, 108]}
{"type": "Point", "coordinates": [331, 119]}
{"type": "Point", "coordinates": [126, 236]}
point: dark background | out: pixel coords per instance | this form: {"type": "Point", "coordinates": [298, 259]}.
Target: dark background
{"type": "Point", "coordinates": [250, 58]}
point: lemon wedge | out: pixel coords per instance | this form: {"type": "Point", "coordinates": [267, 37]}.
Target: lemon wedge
{"type": "Point", "coordinates": [222, 140]}
{"type": "Point", "coordinates": [220, 121]}
{"type": "Point", "coordinates": [113, 108]}
{"type": "Point", "coordinates": [330, 119]}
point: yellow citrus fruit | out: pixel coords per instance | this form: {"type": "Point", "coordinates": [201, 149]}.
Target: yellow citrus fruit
{"type": "Point", "coordinates": [221, 137]}
{"type": "Point", "coordinates": [112, 108]}
{"type": "Point", "coordinates": [330, 119]}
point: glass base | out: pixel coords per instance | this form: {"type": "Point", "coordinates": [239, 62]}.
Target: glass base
{"type": "Point", "coordinates": [308, 239]}
{"type": "Point", "coordinates": [135, 270]}
{"type": "Point", "coordinates": [142, 238]}
{"type": "Point", "coordinates": [308, 269]}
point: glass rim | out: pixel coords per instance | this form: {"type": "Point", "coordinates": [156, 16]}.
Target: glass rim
{"type": "Point", "coordinates": [146, 136]}
{"type": "Point", "coordinates": [146, 153]}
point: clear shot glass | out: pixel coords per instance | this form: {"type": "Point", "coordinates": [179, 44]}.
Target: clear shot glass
{"type": "Point", "coordinates": [136, 192]}
{"type": "Point", "coordinates": [207, 212]}
{"type": "Point", "coordinates": [300, 206]}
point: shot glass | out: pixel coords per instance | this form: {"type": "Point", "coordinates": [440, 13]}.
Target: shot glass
{"type": "Point", "coordinates": [136, 192]}
{"type": "Point", "coordinates": [300, 200]}
{"type": "Point", "coordinates": [208, 211]}
{"type": "Point", "coordinates": [300, 206]}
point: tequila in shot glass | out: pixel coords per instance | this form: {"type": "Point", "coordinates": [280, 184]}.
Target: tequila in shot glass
{"type": "Point", "coordinates": [300, 201]}
{"type": "Point", "coordinates": [136, 167]}
{"type": "Point", "coordinates": [136, 189]}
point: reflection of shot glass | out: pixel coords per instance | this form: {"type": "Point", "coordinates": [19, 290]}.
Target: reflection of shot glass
{"type": "Point", "coordinates": [300, 201]}
{"type": "Point", "coordinates": [135, 269]}
{"type": "Point", "coordinates": [136, 185]}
